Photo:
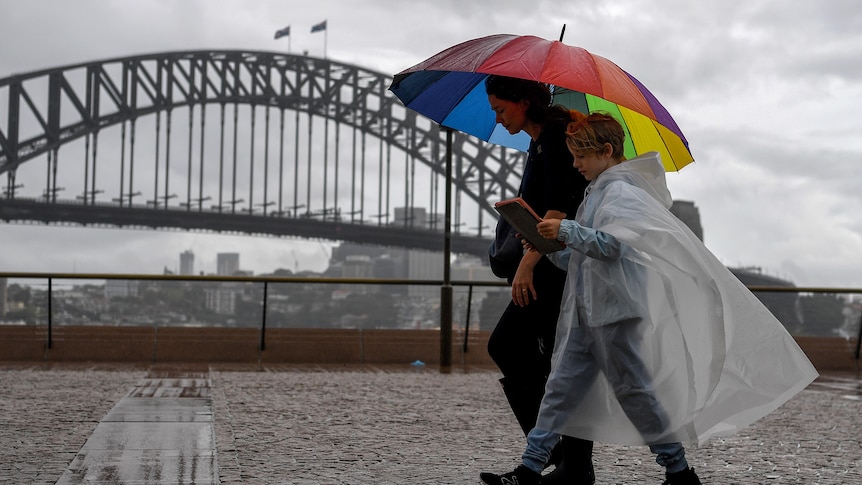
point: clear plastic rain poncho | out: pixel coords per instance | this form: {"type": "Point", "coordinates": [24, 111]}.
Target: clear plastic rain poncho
{"type": "Point", "coordinates": [657, 341]}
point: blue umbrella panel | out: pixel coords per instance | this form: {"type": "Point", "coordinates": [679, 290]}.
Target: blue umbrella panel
{"type": "Point", "coordinates": [456, 100]}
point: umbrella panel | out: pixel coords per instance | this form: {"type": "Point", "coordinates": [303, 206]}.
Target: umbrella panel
{"type": "Point", "coordinates": [643, 134]}
{"type": "Point", "coordinates": [456, 100]}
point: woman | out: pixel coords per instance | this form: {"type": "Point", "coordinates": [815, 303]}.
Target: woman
{"type": "Point", "coordinates": [523, 339]}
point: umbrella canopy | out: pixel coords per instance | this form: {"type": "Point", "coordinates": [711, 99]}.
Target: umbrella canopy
{"type": "Point", "coordinates": [449, 88]}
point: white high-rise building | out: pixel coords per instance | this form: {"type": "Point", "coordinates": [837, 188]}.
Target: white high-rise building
{"type": "Point", "coordinates": [187, 262]}
{"type": "Point", "coordinates": [227, 264]}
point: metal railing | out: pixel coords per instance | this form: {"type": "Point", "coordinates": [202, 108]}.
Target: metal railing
{"type": "Point", "coordinates": [267, 281]}
{"type": "Point", "coordinates": [816, 290]}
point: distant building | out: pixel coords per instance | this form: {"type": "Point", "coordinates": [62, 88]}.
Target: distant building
{"type": "Point", "coordinates": [187, 263]}
{"type": "Point", "coordinates": [435, 222]}
{"type": "Point", "coordinates": [688, 213]}
{"type": "Point", "coordinates": [411, 217]}
{"type": "Point", "coordinates": [221, 300]}
{"type": "Point", "coordinates": [227, 264]}
{"type": "Point", "coordinates": [358, 266]}
{"type": "Point", "coordinates": [785, 306]}
{"type": "Point", "coordinates": [388, 267]}
{"type": "Point", "coordinates": [472, 268]}
{"type": "Point", "coordinates": [389, 263]}
{"type": "Point", "coordinates": [121, 288]}
{"type": "Point", "coordinates": [424, 265]}
{"type": "Point", "coordinates": [341, 252]}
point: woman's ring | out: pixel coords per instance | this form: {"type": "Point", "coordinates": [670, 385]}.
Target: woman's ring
{"type": "Point", "coordinates": [523, 289]}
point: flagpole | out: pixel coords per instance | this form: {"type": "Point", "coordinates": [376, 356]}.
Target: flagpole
{"type": "Point", "coordinates": [325, 28]}
{"type": "Point", "coordinates": [285, 32]}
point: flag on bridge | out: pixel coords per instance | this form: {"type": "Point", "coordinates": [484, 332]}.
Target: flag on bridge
{"type": "Point", "coordinates": [318, 27]}
{"type": "Point", "coordinates": [285, 32]}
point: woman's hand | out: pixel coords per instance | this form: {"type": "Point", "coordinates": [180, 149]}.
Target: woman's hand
{"type": "Point", "coordinates": [549, 228]}
{"type": "Point", "coordinates": [522, 283]}
{"type": "Point", "coordinates": [527, 245]}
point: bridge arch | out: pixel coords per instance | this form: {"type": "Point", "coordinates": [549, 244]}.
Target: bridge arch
{"type": "Point", "coordinates": [47, 110]}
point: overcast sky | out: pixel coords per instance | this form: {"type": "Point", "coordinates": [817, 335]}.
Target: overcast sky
{"type": "Point", "coordinates": [767, 93]}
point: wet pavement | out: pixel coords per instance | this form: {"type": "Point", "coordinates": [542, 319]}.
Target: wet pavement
{"type": "Point", "coordinates": [100, 423]}
{"type": "Point", "coordinates": [162, 432]}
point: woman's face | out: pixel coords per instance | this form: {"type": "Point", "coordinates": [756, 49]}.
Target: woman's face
{"type": "Point", "coordinates": [511, 114]}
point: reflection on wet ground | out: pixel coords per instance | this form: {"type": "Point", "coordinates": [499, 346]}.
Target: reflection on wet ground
{"type": "Point", "coordinates": [161, 432]}
{"type": "Point", "coordinates": [847, 385]}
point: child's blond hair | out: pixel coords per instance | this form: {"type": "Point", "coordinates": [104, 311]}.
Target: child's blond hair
{"type": "Point", "coordinates": [591, 133]}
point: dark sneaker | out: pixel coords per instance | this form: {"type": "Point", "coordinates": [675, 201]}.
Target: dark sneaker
{"type": "Point", "coordinates": [520, 476]}
{"type": "Point", "coordinates": [685, 477]}
{"type": "Point", "coordinates": [576, 467]}
{"type": "Point", "coordinates": [568, 474]}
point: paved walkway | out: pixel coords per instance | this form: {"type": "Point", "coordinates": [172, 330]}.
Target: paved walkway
{"type": "Point", "coordinates": [370, 425]}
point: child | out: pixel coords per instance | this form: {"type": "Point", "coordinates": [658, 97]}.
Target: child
{"type": "Point", "coordinates": [657, 342]}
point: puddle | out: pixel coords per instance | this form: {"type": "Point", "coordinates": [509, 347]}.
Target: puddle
{"type": "Point", "coordinates": [847, 385]}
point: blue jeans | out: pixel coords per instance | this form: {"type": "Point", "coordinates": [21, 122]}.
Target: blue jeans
{"type": "Point", "coordinates": [540, 443]}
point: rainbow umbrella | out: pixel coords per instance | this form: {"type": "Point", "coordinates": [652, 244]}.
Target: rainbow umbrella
{"type": "Point", "coordinates": [449, 88]}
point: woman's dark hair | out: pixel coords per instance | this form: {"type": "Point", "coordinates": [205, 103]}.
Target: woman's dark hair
{"type": "Point", "coordinates": [513, 89]}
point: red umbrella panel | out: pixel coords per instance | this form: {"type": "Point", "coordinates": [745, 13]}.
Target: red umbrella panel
{"type": "Point", "coordinates": [449, 88]}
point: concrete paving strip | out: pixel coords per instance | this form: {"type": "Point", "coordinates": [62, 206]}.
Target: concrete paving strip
{"type": "Point", "coordinates": [161, 432]}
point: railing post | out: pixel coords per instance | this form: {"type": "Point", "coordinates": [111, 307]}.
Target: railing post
{"type": "Point", "coordinates": [446, 329]}
{"type": "Point", "coordinates": [50, 297]}
{"type": "Point", "coordinates": [467, 323]}
{"type": "Point", "coordinates": [446, 289]}
{"type": "Point", "coordinates": [263, 320]}
{"type": "Point", "coordinates": [859, 338]}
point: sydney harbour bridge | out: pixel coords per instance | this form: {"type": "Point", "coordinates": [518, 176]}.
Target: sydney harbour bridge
{"type": "Point", "coordinates": [241, 142]}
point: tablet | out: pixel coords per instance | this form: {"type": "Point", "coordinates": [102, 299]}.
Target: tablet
{"type": "Point", "coordinates": [522, 217]}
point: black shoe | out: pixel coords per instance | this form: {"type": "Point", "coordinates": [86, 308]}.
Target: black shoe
{"type": "Point", "coordinates": [520, 476]}
{"type": "Point", "coordinates": [565, 476]}
{"type": "Point", "coordinates": [556, 455]}
{"type": "Point", "coordinates": [576, 467]}
{"type": "Point", "coordinates": [685, 477]}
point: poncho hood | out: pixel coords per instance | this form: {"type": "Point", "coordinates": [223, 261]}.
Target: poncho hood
{"type": "Point", "coordinates": [645, 171]}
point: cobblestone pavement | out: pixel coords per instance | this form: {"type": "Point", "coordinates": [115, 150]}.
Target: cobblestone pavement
{"type": "Point", "coordinates": [400, 425]}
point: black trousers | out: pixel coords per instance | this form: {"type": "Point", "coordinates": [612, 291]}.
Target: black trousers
{"type": "Point", "coordinates": [523, 339]}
